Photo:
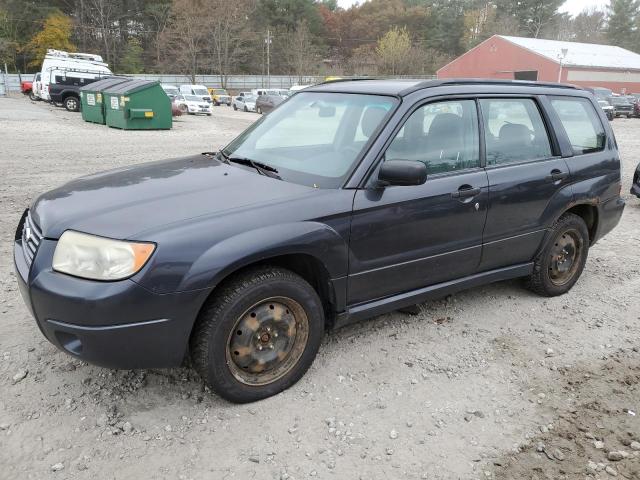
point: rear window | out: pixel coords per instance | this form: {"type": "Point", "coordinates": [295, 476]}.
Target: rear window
{"type": "Point", "coordinates": [582, 124]}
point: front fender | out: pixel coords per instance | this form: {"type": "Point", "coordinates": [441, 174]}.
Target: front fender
{"type": "Point", "coordinates": [311, 238]}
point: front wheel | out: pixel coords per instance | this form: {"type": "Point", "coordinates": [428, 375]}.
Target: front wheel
{"type": "Point", "coordinates": [32, 96]}
{"type": "Point", "coordinates": [235, 107]}
{"type": "Point", "coordinates": [258, 335]}
{"type": "Point", "coordinates": [72, 104]}
{"type": "Point", "coordinates": [557, 268]}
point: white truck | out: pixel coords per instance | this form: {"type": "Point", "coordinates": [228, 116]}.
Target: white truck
{"type": "Point", "coordinates": [59, 64]}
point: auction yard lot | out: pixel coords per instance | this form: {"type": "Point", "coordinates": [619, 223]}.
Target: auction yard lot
{"type": "Point", "coordinates": [494, 382]}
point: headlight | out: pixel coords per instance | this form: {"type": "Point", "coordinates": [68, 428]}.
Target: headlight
{"type": "Point", "coordinates": [99, 258]}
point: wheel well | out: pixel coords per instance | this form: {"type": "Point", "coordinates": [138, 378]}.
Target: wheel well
{"type": "Point", "coordinates": [309, 268]}
{"type": "Point", "coordinates": [589, 213]}
{"type": "Point", "coordinates": [66, 95]}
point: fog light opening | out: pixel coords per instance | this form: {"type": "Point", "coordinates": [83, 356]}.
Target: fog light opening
{"type": "Point", "coordinates": [70, 342]}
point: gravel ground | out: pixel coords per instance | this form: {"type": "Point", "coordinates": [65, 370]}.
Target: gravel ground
{"type": "Point", "coordinates": [494, 382]}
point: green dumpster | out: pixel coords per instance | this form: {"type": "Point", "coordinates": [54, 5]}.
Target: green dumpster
{"type": "Point", "coordinates": [91, 98]}
{"type": "Point", "coordinates": [137, 105]}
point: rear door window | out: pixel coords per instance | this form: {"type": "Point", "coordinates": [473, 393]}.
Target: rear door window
{"type": "Point", "coordinates": [514, 131]}
{"type": "Point", "coordinates": [582, 124]}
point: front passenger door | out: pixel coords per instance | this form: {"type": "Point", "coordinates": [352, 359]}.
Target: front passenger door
{"type": "Point", "coordinates": [407, 237]}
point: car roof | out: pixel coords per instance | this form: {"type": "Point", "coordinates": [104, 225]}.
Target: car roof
{"type": "Point", "coordinates": [404, 87]}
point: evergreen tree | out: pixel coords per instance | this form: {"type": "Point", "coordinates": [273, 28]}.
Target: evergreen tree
{"type": "Point", "coordinates": [622, 29]}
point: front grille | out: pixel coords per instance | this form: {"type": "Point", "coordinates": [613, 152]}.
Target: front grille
{"type": "Point", "coordinates": [31, 238]}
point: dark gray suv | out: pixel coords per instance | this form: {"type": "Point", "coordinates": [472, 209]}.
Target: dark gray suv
{"type": "Point", "coordinates": [349, 200]}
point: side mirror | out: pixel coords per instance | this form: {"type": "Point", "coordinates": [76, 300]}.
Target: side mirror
{"type": "Point", "coordinates": [402, 172]}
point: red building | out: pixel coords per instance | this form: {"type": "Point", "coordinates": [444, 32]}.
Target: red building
{"type": "Point", "coordinates": [583, 64]}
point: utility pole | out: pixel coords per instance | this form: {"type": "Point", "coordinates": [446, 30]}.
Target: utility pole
{"type": "Point", "coordinates": [268, 42]}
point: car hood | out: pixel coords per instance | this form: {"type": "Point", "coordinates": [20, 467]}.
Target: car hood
{"type": "Point", "coordinates": [121, 203]}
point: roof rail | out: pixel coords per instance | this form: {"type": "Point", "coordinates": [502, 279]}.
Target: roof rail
{"type": "Point", "coordinates": [487, 81]}
{"type": "Point", "coordinates": [352, 79]}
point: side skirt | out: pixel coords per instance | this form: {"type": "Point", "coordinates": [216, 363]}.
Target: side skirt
{"type": "Point", "coordinates": [362, 311]}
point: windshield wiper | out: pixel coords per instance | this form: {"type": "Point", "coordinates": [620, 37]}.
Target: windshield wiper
{"type": "Point", "coordinates": [262, 168]}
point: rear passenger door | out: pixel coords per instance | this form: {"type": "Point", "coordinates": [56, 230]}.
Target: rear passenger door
{"type": "Point", "coordinates": [526, 178]}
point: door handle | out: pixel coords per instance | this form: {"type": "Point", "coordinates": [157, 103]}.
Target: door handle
{"type": "Point", "coordinates": [466, 191]}
{"type": "Point", "coordinates": [557, 176]}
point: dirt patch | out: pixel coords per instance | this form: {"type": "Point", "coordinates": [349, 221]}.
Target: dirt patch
{"type": "Point", "coordinates": [597, 435]}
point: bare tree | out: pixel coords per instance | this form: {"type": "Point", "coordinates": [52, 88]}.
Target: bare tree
{"type": "Point", "coordinates": [302, 53]}
{"type": "Point", "coordinates": [159, 14]}
{"type": "Point", "coordinates": [589, 26]}
{"type": "Point", "coordinates": [104, 14]}
{"type": "Point", "coordinates": [229, 34]}
{"type": "Point", "coordinates": [187, 36]}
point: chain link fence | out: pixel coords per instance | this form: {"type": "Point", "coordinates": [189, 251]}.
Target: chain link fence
{"type": "Point", "coordinates": [234, 82]}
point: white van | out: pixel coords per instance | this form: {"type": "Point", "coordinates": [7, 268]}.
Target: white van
{"type": "Point", "coordinates": [198, 90]}
{"type": "Point", "coordinates": [58, 63]}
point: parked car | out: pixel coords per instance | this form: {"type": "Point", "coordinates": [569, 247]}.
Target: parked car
{"type": "Point", "coordinates": [220, 96]}
{"type": "Point", "coordinates": [171, 90]}
{"type": "Point", "coordinates": [391, 194]}
{"type": "Point", "coordinates": [193, 104]}
{"type": "Point", "coordinates": [635, 186]}
{"type": "Point", "coordinates": [198, 90]}
{"type": "Point", "coordinates": [622, 106]}
{"type": "Point", "coordinates": [636, 109]}
{"type": "Point", "coordinates": [26, 87]}
{"type": "Point", "coordinates": [266, 103]}
{"type": "Point", "coordinates": [608, 109]}
{"type": "Point", "coordinates": [36, 86]}
{"type": "Point", "coordinates": [246, 103]}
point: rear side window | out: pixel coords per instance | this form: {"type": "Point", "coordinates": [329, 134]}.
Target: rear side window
{"type": "Point", "coordinates": [582, 124]}
{"type": "Point", "coordinates": [514, 131]}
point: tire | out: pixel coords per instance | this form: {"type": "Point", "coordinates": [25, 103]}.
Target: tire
{"type": "Point", "coordinates": [234, 107]}
{"type": "Point", "coordinates": [568, 235]}
{"type": "Point", "coordinates": [242, 307]}
{"type": "Point", "coordinates": [32, 96]}
{"type": "Point", "coordinates": [259, 111]}
{"type": "Point", "coordinates": [209, 114]}
{"type": "Point", "coordinates": [246, 109]}
{"type": "Point", "coordinates": [72, 104]}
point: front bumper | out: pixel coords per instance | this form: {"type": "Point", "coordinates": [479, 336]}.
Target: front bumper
{"type": "Point", "coordinates": [111, 324]}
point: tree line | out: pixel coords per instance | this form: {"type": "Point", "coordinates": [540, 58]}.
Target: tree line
{"type": "Point", "coordinates": [301, 37]}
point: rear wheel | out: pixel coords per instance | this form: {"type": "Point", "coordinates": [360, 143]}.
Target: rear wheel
{"type": "Point", "coordinates": [558, 267]}
{"type": "Point", "coordinates": [258, 335]}
{"type": "Point", "coordinates": [72, 104]}
{"type": "Point", "coordinates": [32, 96]}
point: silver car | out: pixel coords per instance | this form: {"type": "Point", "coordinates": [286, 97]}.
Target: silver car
{"type": "Point", "coordinates": [246, 103]}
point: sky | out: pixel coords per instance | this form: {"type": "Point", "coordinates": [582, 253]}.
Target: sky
{"type": "Point", "coordinates": [572, 6]}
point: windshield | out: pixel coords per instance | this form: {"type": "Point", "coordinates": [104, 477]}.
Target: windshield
{"type": "Point", "coordinates": [220, 92]}
{"type": "Point", "coordinates": [314, 138]}
{"type": "Point", "coordinates": [193, 98]}
{"type": "Point", "coordinates": [200, 91]}
{"type": "Point", "coordinates": [248, 98]}
{"type": "Point", "coordinates": [619, 101]}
